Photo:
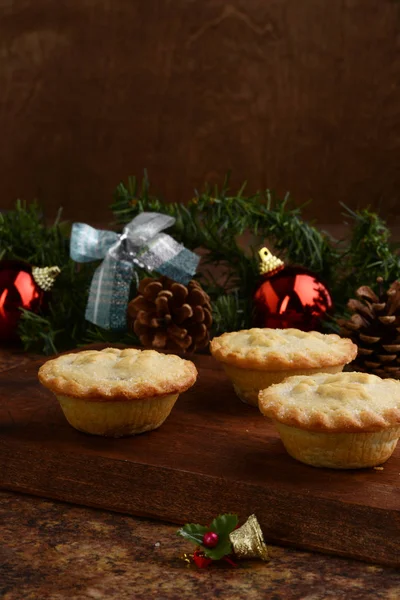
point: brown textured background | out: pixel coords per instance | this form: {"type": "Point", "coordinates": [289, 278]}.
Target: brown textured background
{"type": "Point", "coordinates": [295, 95]}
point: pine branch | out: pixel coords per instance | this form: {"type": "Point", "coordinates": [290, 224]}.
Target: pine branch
{"type": "Point", "coordinates": [214, 220]}
{"type": "Point", "coordinates": [227, 228]}
{"type": "Point", "coordinates": [298, 241]}
{"type": "Point", "coordinates": [25, 236]}
{"type": "Point", "coordinates": [230, 314]}
{"type": "Point", "coordinates": [369, 255]}
{"type": "Point", "coordinates": [370, 251]}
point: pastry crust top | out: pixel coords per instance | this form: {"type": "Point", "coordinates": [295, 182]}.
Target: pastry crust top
{"type": "Point", "coordinates": [114, 374]}
{"type": "Point", "coordinates": [341, 402]}
{"type": "Point", "coordinates": [279, 349]}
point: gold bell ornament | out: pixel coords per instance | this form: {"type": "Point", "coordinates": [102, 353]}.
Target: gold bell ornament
{"type": "Point", "coordinates": [248, 540]}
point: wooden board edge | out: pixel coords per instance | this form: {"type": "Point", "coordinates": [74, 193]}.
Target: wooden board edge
{"type": "Point", "coordinates": [181, 496]}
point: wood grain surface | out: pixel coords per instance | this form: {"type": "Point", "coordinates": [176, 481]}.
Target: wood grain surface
{"type": "Point", "coordinates": [300, 96]}
{"type": "Point", "coordinates": [212, 455]}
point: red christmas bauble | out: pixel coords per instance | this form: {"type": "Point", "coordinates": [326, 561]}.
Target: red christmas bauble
{"type": "Point", "coordinates": [291, 297]}
{"type": "Point", "coordinates": [18, 289]}
{"type": "Point", "coordinates": [210, 539]}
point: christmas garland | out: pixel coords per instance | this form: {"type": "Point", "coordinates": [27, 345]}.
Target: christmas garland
{"type": "Point", "coordinates": [212, 223]}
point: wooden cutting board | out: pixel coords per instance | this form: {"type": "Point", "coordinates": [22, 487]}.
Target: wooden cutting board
{"type": "Point", "coordinates": [212, 455]}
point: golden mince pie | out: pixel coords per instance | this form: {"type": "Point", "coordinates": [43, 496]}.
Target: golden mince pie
{"type": "Point", "coordinates": [341, 421]}
{"type": "Point", "coordinates": [257, 358]}
{"type": "Point", "coordinates": [116, 392]}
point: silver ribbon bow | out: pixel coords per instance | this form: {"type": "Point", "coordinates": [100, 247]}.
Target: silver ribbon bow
{"type": "Point", "coordinates": [141, 243]}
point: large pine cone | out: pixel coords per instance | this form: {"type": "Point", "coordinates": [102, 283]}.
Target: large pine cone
{"type": "Point", "coordinates": [375, 328]}
{"type": "Point", "coordinates": [170, 316]}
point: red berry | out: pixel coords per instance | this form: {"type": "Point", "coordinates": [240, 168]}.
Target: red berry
{"type": "Point", "coordinates": [210, 539]}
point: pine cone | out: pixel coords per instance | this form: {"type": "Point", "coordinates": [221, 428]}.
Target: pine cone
{"type": "Point", "coordinates": [375, 328]}
{"type": "Point", "coordinates": [170, 316]}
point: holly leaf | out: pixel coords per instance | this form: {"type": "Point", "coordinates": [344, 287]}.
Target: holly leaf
{"type": "Point", "coordinates": [223, 548]}
{"type": "Point", "coordinates": [193, 532]}
{"type": "Point", "coordinates": [223, 525]}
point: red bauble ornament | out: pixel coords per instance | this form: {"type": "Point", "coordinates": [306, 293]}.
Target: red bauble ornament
{"type": "Point", "coordinates": [18, 289]}
{"type": "Point", "coordinates": [210, 539]}
{"type": "Point", "coordinates": [289, 296]}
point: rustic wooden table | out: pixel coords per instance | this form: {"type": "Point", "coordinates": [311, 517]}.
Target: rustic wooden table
{"type": "Point", "coordinates": [53, 551]}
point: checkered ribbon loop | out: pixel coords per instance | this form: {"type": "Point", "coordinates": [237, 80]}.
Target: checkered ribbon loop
{"type": "Point", "coordinates": [142, 244]}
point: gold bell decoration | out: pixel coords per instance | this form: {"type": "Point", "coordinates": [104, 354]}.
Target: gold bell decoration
{"type": "Point", "coordinates": [45, 276]}
{"type": "Point", "coordinates": [248, 540]}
